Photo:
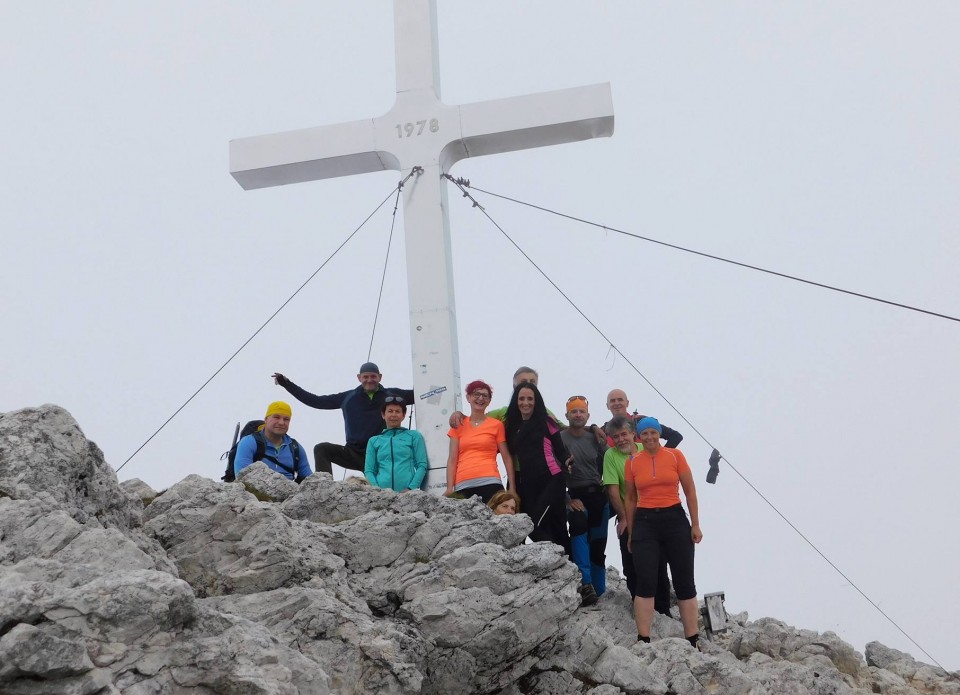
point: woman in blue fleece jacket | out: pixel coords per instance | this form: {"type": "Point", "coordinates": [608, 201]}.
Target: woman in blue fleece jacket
{"type": "Point", "coordinates": [397, 458]}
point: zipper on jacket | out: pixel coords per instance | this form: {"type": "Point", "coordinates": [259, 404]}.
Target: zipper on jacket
{"type": "Point", "coordinates": [393, 463]}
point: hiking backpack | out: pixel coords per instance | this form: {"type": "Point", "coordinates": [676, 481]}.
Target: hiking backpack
{"type": "Point", "coordinates": [253, 427]}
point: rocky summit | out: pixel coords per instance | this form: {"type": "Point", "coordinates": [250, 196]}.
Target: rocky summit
{"type": "Point", "coordinates": [263, 586]}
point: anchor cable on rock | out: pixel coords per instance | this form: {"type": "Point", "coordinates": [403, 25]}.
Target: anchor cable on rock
{"type": "Point", "coordinates": [271, 317]}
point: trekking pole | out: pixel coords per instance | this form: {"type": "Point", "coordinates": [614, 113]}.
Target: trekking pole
{"type": "Point", "coordinates": [236, 436]}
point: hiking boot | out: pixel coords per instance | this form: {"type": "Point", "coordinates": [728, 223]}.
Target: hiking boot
{"type": "Point", "coordinates": [588, 595]}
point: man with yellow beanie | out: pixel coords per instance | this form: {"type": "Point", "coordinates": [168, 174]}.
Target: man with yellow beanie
{"type": "Point", "coordinates": [272, 445]}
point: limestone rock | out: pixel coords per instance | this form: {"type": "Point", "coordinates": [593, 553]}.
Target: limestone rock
{"type": "Point", "coordinates": [267, 587]}
{"type": "Point", "coordinates": [30, 652]}
{"type": "Point", "coordinates": [220, 654]}
{"type": "Point", "coordinates": [360, 653]}
{"type": "Point", "coordinates": [44, 456]}
{"type": "Point", "coordinates": [224, 541]}
{"type": "Point", "coordinates": [139, 489]}
{"type": "Point", "coordinates": [778, 640]}
{"type": "Point", "coordinates": [265, 484]}
{"type": "Point", "coordinates": [914, 674]}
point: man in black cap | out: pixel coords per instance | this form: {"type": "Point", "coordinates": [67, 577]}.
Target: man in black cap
{"type": "Point", "coordinates": [361, 415]}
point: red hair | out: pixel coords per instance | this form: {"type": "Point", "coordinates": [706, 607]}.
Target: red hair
{"type": "Point", "coordinates": [478, 384]}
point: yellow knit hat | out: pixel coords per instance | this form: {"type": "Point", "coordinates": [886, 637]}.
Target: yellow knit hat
{"type": "Point", "coordinates": [278, 408]}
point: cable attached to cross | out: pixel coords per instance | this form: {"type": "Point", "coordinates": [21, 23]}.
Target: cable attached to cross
{"type": "Point", "coordinates": [312, 275]}
{"type": "Point", "coordinates": [386, 260]}
{"type": "Point", "coordinates": [416, 171]}
{"type": "Point", "coordinates": [463, 184]}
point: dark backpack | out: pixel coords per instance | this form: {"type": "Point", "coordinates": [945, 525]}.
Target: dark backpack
{"type": "Point", "coordinates": [253, 427]}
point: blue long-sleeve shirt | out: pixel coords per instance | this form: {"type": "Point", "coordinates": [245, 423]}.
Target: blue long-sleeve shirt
{"type": "Point", "coordinates": [247, 448]}
{"type": "Point", "coordinates": [361, 413]}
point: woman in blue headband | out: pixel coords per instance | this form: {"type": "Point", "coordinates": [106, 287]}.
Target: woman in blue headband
{"type": "Point", "coordinates": [656, 523]}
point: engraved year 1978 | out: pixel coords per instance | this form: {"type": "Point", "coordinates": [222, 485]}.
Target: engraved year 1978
{"type": "Point", "coordinates": [408, 129]}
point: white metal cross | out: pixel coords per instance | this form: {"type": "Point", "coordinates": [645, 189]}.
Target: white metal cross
{"type": "Point", "coordinates": [420, 130]}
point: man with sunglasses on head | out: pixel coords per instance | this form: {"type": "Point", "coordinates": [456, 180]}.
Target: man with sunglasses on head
{"type": "Point", "coordinates": [362, 417]}
{"type": "Point", "coordinates": [587, 510]}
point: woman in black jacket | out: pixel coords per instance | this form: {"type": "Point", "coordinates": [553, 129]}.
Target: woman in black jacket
{"type": "Point", "coordinates": [539, 454]}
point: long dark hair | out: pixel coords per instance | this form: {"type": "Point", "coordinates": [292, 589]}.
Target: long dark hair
{"type": "Point", "coordinates": [536, 425]}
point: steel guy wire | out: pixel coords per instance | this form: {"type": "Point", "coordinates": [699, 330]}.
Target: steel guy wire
{"type": "Point", "coordinates": [461, 184]}
{"type": "Point", "coordinates": [269, 319]}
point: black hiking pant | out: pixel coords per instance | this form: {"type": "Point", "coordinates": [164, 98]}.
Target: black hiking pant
{"type": "Point", "coordinates": [325, 454]}
{"type": "Point", "coordinates": [544, 499]}
{"type": "Point", "coordinates": [661, 600]}
{"type": "Point", "coordinates": [657, 534]}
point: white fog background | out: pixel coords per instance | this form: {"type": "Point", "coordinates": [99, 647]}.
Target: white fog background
{"type": "Point", "coordinates": [818, 139]}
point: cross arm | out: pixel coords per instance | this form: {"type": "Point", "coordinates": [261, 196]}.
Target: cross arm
{"type": "Point", "coordinates": [310, 154]}
{"type": "Point", "coordinates": [536, 120]}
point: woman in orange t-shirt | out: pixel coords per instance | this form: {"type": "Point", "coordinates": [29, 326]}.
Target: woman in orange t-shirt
{"type": "Point", "coordinates": [656, 523]}
{"type": "Point", "coordinates": [472, 462]}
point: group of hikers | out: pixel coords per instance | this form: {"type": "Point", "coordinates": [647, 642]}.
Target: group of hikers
{"type": "Point", "coordinates": [569, 478]}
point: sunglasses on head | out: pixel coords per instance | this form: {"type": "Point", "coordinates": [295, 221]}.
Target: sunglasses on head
{"type": "Point", "coordinates": [582, 398]}
{"type": "Point", "coordinates": [394, 399]}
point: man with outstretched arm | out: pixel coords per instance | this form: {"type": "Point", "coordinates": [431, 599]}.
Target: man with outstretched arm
{"type": "Point", "coordinates": [362, 420]}
{"type": "Point", "coordinates": [272, 445]}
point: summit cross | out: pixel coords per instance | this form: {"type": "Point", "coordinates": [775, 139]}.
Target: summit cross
{"type": "Point", "coordinates": [422, 132]}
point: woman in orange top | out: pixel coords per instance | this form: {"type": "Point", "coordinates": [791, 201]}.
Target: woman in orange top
{"type": "Point", "coordinates": [656, 523]}
{"type": "Point", "coordinates": [472, 462]}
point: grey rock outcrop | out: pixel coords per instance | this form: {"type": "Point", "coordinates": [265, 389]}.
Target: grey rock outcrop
{"type": "Point", "coordinates": [895, 673]}
{"type": "Point", "coordinates": [140, 490]}
{"type": "Point", "coordinates": [265, 484]}
{"type": "Point", "coordinates": [265, 586]}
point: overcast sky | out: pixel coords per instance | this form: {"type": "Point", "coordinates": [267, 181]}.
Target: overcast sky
{"type": "Point", "coordinates": [819, 139]}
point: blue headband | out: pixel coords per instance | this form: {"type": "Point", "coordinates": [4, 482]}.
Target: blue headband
{"type": "Point", "coordinates": [648, 423]}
